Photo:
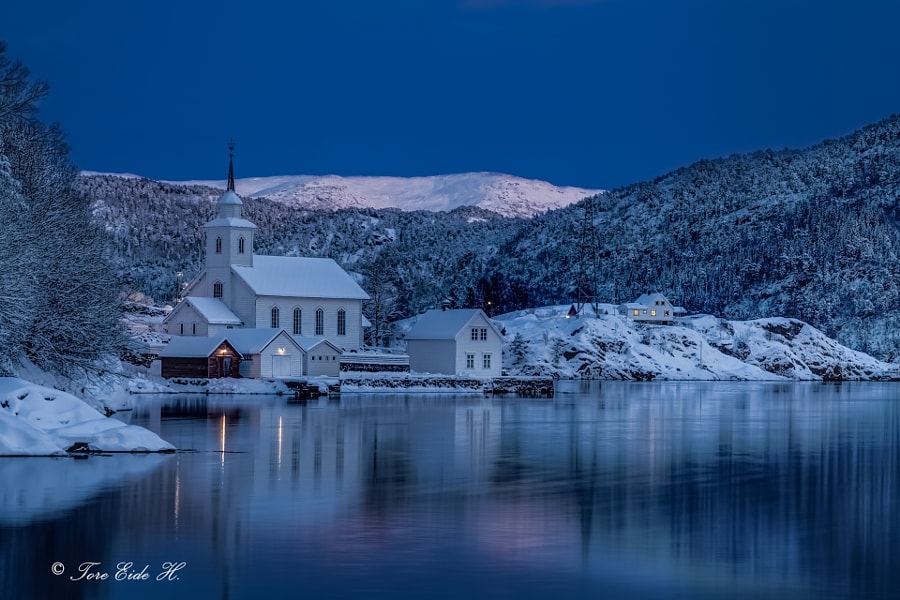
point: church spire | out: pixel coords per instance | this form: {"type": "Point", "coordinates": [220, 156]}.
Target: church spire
{"type": "Point", "coordinates": [230, 166]}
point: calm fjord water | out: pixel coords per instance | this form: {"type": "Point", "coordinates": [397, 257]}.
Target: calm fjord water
{"type": "Point", "coordinates": [609, 490]}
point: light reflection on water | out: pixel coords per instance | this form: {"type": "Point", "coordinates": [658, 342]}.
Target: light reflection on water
{"type": "Point", "coordinates": [654, 490]}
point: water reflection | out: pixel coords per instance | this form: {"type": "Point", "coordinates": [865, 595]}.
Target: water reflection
{"type": "Point", "coordinates": [638, 490]}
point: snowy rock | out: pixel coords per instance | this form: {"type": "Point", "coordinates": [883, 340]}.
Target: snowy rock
{"type": "Point", "coordinates": [41, 421]}
{"type": "Point", "coordinates": [611, 346]}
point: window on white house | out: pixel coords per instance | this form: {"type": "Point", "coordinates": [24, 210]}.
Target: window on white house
{"type": "Point", "coordinates": [297, 324]}
{"type": "Point", "coordinates": [320, 321]}
{"type": "Point", "coordinates": [217, 289]}
{"type": "Point", "coordinates": [275, 317]}
{"type": "Point", "coordinates": [665, 313]}
{"type": "Point", "coordinates": [241, 245]}
{"type": "Point", "coordinates": [219, 245]}
{"type": "Point", "coordinates": [182, 329]}
{"type": "Point", "coordinates": [636, 312]}
{"type": "Point", "coordinates": [486, 361]}
{"type": "Point", "coordinates": [479, 334]}
{"type": "Point", "coordinates": [470, 361]}
{"type": "Point", "coordinates": [194, 329]}
{"type": "Point", "coordinates": [653, 313]}
{"type": "Point", "coordinates": [342, 322]}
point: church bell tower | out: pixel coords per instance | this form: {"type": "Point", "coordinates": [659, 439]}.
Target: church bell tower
{"type": "Point", "coordinates": [229, 240]}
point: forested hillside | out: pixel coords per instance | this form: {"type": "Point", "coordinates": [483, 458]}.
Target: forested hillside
{"type": "Point", "coordinates": [810, 234]}
{"type": "Point", "coordinates": [807, 234]}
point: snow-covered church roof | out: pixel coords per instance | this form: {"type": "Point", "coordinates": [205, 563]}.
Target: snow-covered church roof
{"type": "Point", "coordinates": [299, 276]}
{"type": "Point", "coordinates": [211, 310]}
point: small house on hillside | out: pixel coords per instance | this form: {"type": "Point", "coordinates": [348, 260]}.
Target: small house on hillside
{"type": "Point", "coordinates": [651, 308]}
{"type": "Point", "coordinates": [200, 357]}
{"type": "Point", "coordinates": [455, 342]}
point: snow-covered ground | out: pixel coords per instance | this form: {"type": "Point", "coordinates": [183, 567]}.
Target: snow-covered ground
{"type": "Point", "coordinates": [695, 348]}
{"type": "Point", "coordinates": [41, 421]}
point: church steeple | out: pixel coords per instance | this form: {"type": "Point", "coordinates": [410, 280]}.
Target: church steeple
{"type": "Point", "coordinates": [230, 166]}
{"type": "Point", "coordinates": [229, 239]}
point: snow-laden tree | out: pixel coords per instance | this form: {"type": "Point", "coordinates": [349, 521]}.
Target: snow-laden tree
{"type": "Point", "coordinates": [61, 306]}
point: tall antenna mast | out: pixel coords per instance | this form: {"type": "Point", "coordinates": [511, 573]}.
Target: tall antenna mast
{"type": "Point", "coordinates": [586, 286]}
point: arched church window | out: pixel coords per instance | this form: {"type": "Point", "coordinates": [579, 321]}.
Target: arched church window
{"type": "Point", "coordinates": [219, 245]}
{"type": "Point", "coordinates": [217, 289]}
{"type": "Point", "coordinates": [320, 321]}
{"type": "Point", "coordinates": [297, 325]}
{"type": "Point", "coordinates": [241, 245]}
{"type": "Point", "coordinates": [342, 322]}
{"type": "Point", "coordinates": [275, 317]}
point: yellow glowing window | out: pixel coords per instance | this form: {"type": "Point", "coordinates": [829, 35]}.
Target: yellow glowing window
{"type": "Point", "coordinates": [652, 313]}
{"type": "Point", "coordinates": [636, 312]}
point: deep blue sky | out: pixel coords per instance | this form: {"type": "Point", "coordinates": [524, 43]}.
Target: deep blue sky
{"type": "Point", "coordinates": [595, 93]}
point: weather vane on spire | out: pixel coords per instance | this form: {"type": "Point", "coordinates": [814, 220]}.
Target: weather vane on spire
{"type": "Point", "coordinates": [230, 165]}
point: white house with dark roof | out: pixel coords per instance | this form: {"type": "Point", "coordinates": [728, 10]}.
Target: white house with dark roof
{"type": "Point", "coordinates": [651, 308]}
{"type": "Point", "coordinates": [455, 342]}
{"type": "Point", "coordinates": [307, 297]}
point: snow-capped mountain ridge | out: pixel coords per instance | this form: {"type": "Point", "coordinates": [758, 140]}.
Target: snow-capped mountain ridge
{"type": "Point", "coordinates": [507, 195]}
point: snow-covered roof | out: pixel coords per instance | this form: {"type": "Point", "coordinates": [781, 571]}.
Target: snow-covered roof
{"type": "Point", "coordinates": [652, 299]}
{"type": "Point", "coordinates": [212, 310]}
{"type": "Point", "coordinates": [230, 197]}
{"type": "Point", "coordinates": [437, 324]}
{"type": "Point", "coordinates": [231, 222]}
{"type": "Point", "coordinates": [254, 341]}
{"type": "Point", "coordinates": [309, 342]}
{"type": "Point", "coordinates": [192, 347]}
{"type": "Point", "coordinates": [301, 277]}
{"type": "Point", "coordinates": [632, 306]}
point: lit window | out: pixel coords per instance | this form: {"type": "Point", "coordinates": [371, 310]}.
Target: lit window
{"type": "Point", "coordinates": [653, 313]}
{"type": "Point", "coordinates": [275, 316]}
{"type": "Point", "coordinates": [241, 245]}
{"type": "Point", "coordinates": [342, 322]}
{"type": "Point", "coordinates": [320, 321]}
{"type": "Point", "coordinates": [470, 361]}
{"type": "Point", "coordinates": [297, 315]}
{"type": "Point", "coordinates": [219, 245]}
{"type": "Point", "coordinates": [217, 289]}
{"type": "Point", "coordinates": [486, 361]}
{"type": "Point", "coordinates": [636, 312]}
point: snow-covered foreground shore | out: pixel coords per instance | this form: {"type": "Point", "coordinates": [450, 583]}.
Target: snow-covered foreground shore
{"type": "Point", "coordinates": [42, 421]}
{"type": "Point", "coordinates": [696, 348]}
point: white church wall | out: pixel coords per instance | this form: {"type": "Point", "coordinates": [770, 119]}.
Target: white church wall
{"type": "Point", "coordinates": [308, 306]}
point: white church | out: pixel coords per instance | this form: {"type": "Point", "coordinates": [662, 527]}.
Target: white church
{"type": "Point", "coordinates": [311, 299]}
